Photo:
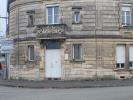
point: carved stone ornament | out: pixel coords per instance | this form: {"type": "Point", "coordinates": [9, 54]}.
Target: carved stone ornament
{"type": "Point", "coordinates": [43, 30]}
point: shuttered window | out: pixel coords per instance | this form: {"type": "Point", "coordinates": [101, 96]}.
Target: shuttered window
{"type": "Point", "coordinates": [131, 56]}
{"type": "Point", "coordinates": [120, 56]}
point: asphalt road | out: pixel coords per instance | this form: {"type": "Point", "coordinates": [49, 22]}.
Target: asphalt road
{"type": "Point", "coordinates": [115, 93]}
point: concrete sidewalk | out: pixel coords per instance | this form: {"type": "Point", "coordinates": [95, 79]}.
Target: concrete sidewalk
{"type": "Point", "coordinates": [65, 84]}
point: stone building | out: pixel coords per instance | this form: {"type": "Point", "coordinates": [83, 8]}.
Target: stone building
{"type": "Point", "coordinates": [71, 39]}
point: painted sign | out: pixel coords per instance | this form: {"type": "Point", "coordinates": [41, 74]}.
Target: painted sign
{"type": "Point", "coordinates": [6, 45]}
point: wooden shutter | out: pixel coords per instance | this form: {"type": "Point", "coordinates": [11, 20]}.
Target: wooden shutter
{"type": "Point", "coordinates": [132, 16]}
{"type": "Point", "coordinates": [120, 53]}
{"type": "Point", "coordinates": [131, 53]}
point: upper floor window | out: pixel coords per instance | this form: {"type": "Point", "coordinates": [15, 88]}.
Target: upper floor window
{"type": "Point", "coordinates": [53, 14]}
{"type": "Point", "coordinates": [31, 18]}
{"type": "Point", "coordinates": [126, 16]}
{"type": "Point", "coordinates": [76, 13]}
{"type": "Point", "coordinates": [77, 17]}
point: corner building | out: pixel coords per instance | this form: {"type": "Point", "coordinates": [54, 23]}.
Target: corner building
{"type": "Point", "coordinates": [71, 39]}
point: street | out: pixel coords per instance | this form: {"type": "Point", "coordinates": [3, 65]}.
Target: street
{"type": "Point", "coordinates": [115, 93]}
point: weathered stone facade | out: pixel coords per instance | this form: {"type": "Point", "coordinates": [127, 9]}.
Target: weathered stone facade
{"type": "Point", "coordinates": [99, 32]}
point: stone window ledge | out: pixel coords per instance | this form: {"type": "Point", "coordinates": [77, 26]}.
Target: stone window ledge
{"type": "Point", "coordinates": [124, 69]}
{"type": "Point", "coordinates": [77, 60]}
{"type": "Point", "coordinates": [31, 61]}
{"type": "Point", "coordinates": [130, 69]}
{"type": "Point", "coordinates": [119, 69]}
{"type": "Point", "coordinates": [30, 26]}
{"type": "Point", "coordinates": [127, 27]}
{"type": "Point", "coordinates": [76, 23]}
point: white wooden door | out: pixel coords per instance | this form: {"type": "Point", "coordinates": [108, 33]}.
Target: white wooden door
{"type": "Point", "coordinates": [53, 63]}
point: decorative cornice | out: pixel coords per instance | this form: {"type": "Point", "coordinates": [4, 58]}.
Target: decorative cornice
{"type": "Point", "coordinates": [74, 37]}
{"type": "Point", "coordinates": [20, 4]}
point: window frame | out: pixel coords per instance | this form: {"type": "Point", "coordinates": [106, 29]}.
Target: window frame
{"type": "Point", "coordinates": [77, 14]}
{"type": "Point", "coordinates": [31, 23]}
{"type": "Point", "coordinates": [79, 53]}
{"type": "Point", "coordinates": [76, 9]}
{"type": "Point", "coordinates": [53, 15]}
{"type": "Point", "coordinates": [124, 10]}
{"type": "Point", "coordinates": [130, 62]}
{"type": "Point", "coordinates": [118, 64]}
{"type": "Point", "coordinates": [31, 13]}
{"type": "Point", "coordinates": [29, 53]}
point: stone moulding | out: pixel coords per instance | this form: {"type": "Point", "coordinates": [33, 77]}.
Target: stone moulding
{"type": "Point", "coordinates": [56, 30]}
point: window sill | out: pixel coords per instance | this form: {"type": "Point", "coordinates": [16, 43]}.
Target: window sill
{"type": "Point", "coordinates": [119, 69]}
{"type": "Point", "coordinates": [123, 69]}
{"type": "Point", "coordinates": [77, 60]}
{"type": "Point", "coordinates": [30, 26]}
{"type": "Point", "coordinates": [127, 26]}
{"type": "Point", "coordinates": [130, 69]}
{"type": "Point", "coordinates": [30, 61]}
{"type": "Point", "coordinates": [76, 23]}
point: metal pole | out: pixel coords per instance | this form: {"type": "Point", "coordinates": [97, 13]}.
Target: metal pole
{"type": "Point", "coordinates": [18, 44]}
{"type": "Point", "coordinates": [96, 21]}
{"type": "Point", "coordinates": [6, 65]}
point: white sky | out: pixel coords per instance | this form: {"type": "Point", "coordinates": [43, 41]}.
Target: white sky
{"type": "Point", "coordinates": [3, 5]}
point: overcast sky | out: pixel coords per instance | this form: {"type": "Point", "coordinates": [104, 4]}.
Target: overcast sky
{"type": "Point", "coordinates": [3, 4]}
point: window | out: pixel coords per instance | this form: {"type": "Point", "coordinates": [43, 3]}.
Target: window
{"type": "Point", "coordinates": [31, 18]}
{"type": "Point", "coordinates": [76, 14]}
{"type": "Point", "coordinates": [53, 15]}
{"type": "Point", "coordinates": [120, 56]}
{"type": "Point", "coordinates": [31, 53]}
{"type": "Point", "coordinates": [76, 51]}
{"type": "Point", "coordinates": [131, 56]}
{"type": "Point", "coordinates": [76, 17]}
{"type": "Point", "coordinates": [126, 16]}
{"type": "Point", "coordinates": [53, 45]}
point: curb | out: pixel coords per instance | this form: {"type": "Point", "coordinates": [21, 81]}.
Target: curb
{"type": "Point", "coordinates": [66, 84]}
